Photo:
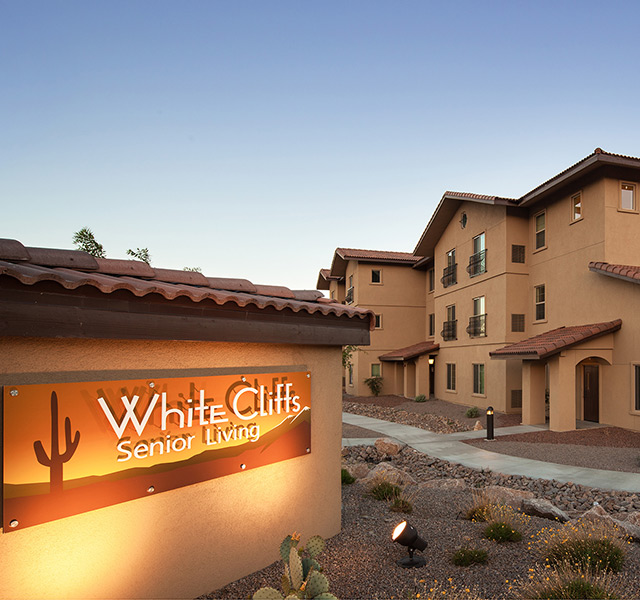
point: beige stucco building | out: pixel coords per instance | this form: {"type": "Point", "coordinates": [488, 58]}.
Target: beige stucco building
{"type": "Point", "coordinates": [531, 303]}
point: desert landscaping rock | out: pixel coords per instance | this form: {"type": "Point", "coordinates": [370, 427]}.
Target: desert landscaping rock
{"type": "Point", "coordinates": [504, 495]}
{"type": "Point", "coordinates": [389, 446]}
{"type": "Point", "coordinates": [538, 507]}
{"type": "Point", "coordinates": [390, 473]}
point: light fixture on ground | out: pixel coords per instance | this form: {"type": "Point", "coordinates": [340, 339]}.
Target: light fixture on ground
{"type": "Point", "coordinates": [406, 535]}
{"type": "Point", "coordinates": [490, 423]}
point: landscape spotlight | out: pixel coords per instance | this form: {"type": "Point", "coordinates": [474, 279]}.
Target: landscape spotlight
{"type": "Point", "coordinates": [406, 535]}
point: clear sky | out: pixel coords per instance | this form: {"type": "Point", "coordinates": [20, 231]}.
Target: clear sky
{"type": "Point", "coordinates": [252, 138]}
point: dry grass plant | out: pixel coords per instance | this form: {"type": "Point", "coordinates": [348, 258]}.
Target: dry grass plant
{"type": "Point", "coordinates": [566, 582]}
{"type": "Point", "coordinates": [586, 544]}
{"type": "Point", "coordinates": [403, 503]}
{"type": "Point", "coordinates": [480, 499]}
{"type": "Point", "coordinates": [443, 589]}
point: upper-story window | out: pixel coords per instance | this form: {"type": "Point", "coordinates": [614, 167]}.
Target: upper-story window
{"type": "Point", "coordinates": [378, 322]}
{"type": "Point", "coordinates": [628, 196]}
{"type": "Point", "coordinates": [541, 230]}
{"type": "Point", "coordinates": [431, 277]}
{"type": "Point", "coordinates": [576, 207]}
{"type": "Point", "coordinates": [478, 322]}
{"type": "Point", "coordinates": [478, 260]}
{"type": "Point", "coordinates": [376, 275]}
{"type": "Point", "coordinates": [349, 296]}
{"type": "Point", "coordinates": [432, 324]}
{"type": "Point", "coordinates": [540, 300]}
{"type": "Point", "coordinates": [449, 275]}
{"type": "Point", "coordinates": [449, 327]}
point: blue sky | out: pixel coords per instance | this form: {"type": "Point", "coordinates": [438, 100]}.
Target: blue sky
{"type": "Point", "coordinates": [252, 138]}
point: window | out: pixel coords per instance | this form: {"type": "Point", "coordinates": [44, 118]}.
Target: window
{"type": "Point", "coordinates": [627, 196]}
{"type": "Point", "coordinates": [376, 370]}
{"type": "Point", "coordinates": [378, 324]}
{"type": "Point", "coordinates": [376, 276]}
{"type": "Point", "coordinates": [576, 207]}
{"type": "Point", "coordinates": [540, 222]}
{"type": "Point", "coordinates": [432, 324]}
{"type": "Point", "coordinates": [449, 326]}
{"type": "Point", "coordinates": [478, 260]}
{"type": "Point", "coordinates": [478, 379]}
{"type": "Point", "coordinates": [478, 322]}
{"type": "Point", "coordinates": [517, 323]}
{"type": "Point", "coordinates": [517, 253]}
{"type": "Point", "coordinates": [349, 296]}
{"type": "Point", "coordinates": [431, 280]}
{"type": "Point", "coordinates": [451, 377]}
{"type": "Point", "coordinates": [449, 276]}
{"type": "Point", "coordinates": [540, 299]}
{"type": "Point", "coordinates": [637, 387]}
{"type": "Point", "coordinates": [350, 374]}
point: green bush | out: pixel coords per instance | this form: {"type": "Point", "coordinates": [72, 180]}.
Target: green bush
{"type": "Point", "coordinates": [472, 412]}
{"type": "Point", "coordinates": [468, 556]}
{"type": "Point", "coordinates": [401, 504]}
{"type": "Point", "coordinates": [347, 478]}
{"type": "Point", "coordinates": [420, 398]}
{"type": "Point", "coordinates": [385, 491]}
{"type": "Point", "coordinates": [502, 532]}
{"type": "Point", "coordinates": [600, 554]}
{"type": "Point", "coordinates": [375, 385]}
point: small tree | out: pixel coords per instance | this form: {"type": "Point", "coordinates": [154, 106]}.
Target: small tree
{"type": "Point", "coordinates": [141, 254]}
{"type": "Point", "coordinates": [86, 241]}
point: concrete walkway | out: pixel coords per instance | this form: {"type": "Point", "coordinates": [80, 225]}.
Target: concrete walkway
{"type": "Point", "coordinates": [450, 447]}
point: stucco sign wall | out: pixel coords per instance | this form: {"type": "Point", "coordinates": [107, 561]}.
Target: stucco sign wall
{"type": "Point", "coordinates": [75, 447]}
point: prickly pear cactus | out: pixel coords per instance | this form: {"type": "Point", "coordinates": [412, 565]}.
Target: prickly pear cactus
{"type": "Point", "coordinates": [308, 564]}
{"type": "Point", "coordinates": [316, 584]}
{"type": "Point", "coordinates": [295, 569]}
{"type": "Point", "coordinates": [267, 593]}
{"type": "Point", "coordinates": [314, 546]}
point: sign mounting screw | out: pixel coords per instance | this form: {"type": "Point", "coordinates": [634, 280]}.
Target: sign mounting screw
{"type": "Point", "coordinates": [13, 523]}
{"type": "Point", "coordinates": [14, 393]}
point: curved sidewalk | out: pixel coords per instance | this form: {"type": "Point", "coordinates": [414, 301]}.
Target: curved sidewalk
{"type": "Point", "coordinates": [450, 447]}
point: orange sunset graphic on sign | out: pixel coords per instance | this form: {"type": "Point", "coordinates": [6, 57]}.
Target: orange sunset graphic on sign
{"type": "Point", "coordinates": [73, 447]}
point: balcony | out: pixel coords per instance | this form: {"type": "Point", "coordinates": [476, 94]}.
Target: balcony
{"type": "Point", "coordinates": [449, 276]}
{"type": "Point", "coordinates": [477, 263]}
{"type": "Point", "coordinates": [477, 326]}
{"type": "Point", "coordinates": [449, 332]}
{"type": "Point", "coordinates": [348, 299]}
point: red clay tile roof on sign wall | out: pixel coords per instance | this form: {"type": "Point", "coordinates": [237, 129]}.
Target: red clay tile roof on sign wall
{"type": "Point", "coordinates": [554, 341]}
{"type": "Point", "coordinates": [626, 272]}
{"type": "Point", "coordinates": [410, 352]}
{"type": "Point", "coordinates": [73, 268]}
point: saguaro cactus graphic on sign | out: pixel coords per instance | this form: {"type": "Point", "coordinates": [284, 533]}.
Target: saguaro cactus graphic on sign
{"type": "Point", "coordinates": [56, 460]}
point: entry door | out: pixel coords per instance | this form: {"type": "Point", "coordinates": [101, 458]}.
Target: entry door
{"type": "Point", "coordinates": [591, 393]}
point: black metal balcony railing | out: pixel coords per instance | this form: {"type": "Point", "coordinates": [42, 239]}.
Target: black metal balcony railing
{"type": "Point", "coordinates": [477, 263]}
{"type": "Point", "coordinates": [449, 276]}
{"type": "Point", "coordinates": [349, 296]}
{"type": "Point", "coordinates": [449, 330]}
{"type": "Point", "coordinates": [477, 326]}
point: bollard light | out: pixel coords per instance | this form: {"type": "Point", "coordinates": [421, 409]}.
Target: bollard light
{"type": "Point", "coordinates": [490, 423]}
{"type": "Point", "coordinates": [406, 535]}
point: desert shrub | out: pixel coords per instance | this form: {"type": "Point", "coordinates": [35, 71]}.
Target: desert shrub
{"type": "Point", "coordinates": [402, 503]}
{"type": "Point", "coordinates": [566, 583]}
{"type": "Point", "coordinates": [587, 544]}
{"type": "Point", "coordinates": [463, 557]}
{"type": "Point", "coordinates": [374, 384]}
{"type": "Point", "coordinates": [420, 398]}
{"type": "Point", "coordinates": [502, 532]}
{"type": "Point", "coordinates": [347, 478]}
{"type": "Point", "coordinates": [472, 412]}
{"type": "Point", "coordinates": [384, 490]}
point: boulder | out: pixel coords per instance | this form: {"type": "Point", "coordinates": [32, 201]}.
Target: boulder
{"type": "Point", "coordinates": [597, 513]}
{"type": "Point", "coordinates": [359, 470]}
{"type": "Point", "coordinates": [478, 426]}
{"type": "Point", "coordinates": [634, 518]}
{"type": "Point", "coordinates": [443, 484]}
{"type": "Point", "coordinates": [387, 472]}
{"type": "Point", "coordinates": [389, 446]}
{"type": "Point", "coordinates": [538, 507]}
{"type": "Point", "coordinates": [504, 495]}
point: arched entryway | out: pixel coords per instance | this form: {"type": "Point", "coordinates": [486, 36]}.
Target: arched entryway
{"type": "Point", "coordinates": [589, 379]}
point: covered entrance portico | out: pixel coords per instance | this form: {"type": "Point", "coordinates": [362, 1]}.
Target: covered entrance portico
{"type": "Point", "coordinates": [413, 370]}
{"type": "Point", "coordinates": [566, 370]}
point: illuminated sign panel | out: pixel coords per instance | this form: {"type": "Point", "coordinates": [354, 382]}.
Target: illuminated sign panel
{"type": "Point", "coordinates": [75, 447]}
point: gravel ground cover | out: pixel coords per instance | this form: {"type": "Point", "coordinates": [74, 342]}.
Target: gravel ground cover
{"type": "Point", "coordinates": [360, 561]}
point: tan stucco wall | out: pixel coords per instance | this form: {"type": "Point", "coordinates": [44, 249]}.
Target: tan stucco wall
{"type": "Point", "coordinates": [192, 540]}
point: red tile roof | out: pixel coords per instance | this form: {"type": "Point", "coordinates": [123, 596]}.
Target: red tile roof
{"type": "Point", "coordinates": [626, 272]}
{"type": "Point", "coordinates": [554, 341]}
{"type": "Point", "coordinates": [377, 255]}
{"type": "Point", "coordinates": [72, 269]}
{"type": "Point", "coordinates": [477, 197]}
{"type": "Point", "coordinates": [410, 352]}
